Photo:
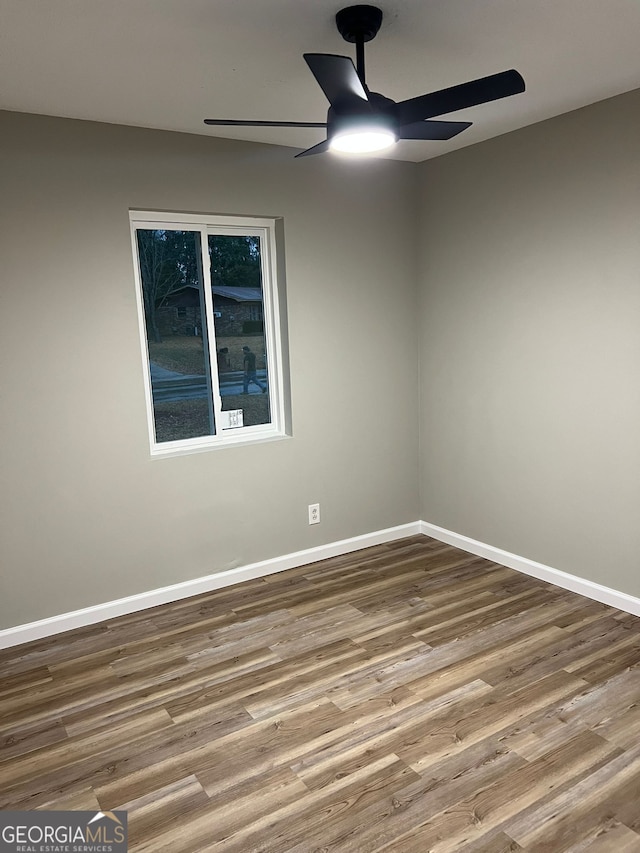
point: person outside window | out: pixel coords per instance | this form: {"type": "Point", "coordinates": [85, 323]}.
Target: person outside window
{"type": "Point", "coordinates": [250, 376]}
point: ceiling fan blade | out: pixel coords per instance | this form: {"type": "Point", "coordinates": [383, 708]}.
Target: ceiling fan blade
{"type": "Point", "coordinates": [432, 129]}
{"type": "Point", "coordinates": [232, 122]}
{"type": "Point", "coordinates": [338, 79]}
{"type": "Point", "coordinates": [460, 97]}
{"type": "Point", "coordinates": [320, 148]}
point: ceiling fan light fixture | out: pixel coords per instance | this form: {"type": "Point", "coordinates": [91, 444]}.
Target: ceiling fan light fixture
{"type": "Point", "coordinates": [362, 140]}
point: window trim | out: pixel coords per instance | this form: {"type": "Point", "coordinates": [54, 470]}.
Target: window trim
{"type": "Point", "coordinates": [273, 320]}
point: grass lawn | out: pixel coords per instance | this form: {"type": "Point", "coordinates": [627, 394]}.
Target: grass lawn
{"type": "Point", "coordinates": [190, 418]}
{"type": "Point", "coordinates": [181, 419]}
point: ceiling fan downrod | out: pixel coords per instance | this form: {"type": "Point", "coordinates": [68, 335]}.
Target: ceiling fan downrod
{"type": "Point", "coordinates": [358, 25]}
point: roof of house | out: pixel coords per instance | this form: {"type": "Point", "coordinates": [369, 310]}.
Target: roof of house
{"type": "Point", "coordinates": [189, 294]}
{"type": "Point", "coordinates": [238, 294]}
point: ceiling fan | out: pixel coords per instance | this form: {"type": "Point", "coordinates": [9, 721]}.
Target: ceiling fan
{"type": "Point", "coordinates": [361, 121]}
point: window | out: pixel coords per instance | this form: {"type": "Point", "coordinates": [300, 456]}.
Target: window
{"type": "Point", "coordinates": [210, 327]}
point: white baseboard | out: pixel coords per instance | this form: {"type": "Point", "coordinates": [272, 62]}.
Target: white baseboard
{"type": "Point", "coordinates": [133, 603]}
{"type": "Point", "coordinates": [111, 609]}
{"type": "Point", "coordinates": [595, 591]}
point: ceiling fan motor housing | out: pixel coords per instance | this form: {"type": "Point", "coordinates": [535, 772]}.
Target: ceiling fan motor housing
{"type": "Point", "coordinates": [378, 113]}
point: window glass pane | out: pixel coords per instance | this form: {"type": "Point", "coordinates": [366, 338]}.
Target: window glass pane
{"type": "Point", "coordinates": [176, 329]}
{"type": "Point", "coordinates": [236, 282]}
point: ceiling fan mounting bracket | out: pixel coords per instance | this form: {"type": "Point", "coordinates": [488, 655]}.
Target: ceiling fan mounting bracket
{"type": "Point", "coordinates": [359, 23]}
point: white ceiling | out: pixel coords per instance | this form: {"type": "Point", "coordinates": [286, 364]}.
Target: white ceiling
{"type": "Point", "coordinates": [171, 63]}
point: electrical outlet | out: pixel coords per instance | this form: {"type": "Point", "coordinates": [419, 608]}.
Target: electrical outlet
{"type": "Point", "coordinates": [314, 513]}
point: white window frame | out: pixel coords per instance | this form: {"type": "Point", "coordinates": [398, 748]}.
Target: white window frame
{"type": "Point", "coordinates": [273, 314]}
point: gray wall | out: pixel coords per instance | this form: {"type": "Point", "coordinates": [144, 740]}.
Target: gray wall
{"type": "Point", "coordinates": [530, 342]}
{"type": "Point", "coordinates": [87, 516]}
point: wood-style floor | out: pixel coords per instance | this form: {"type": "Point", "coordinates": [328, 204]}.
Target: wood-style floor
{"type": "Point", "coordinates": [408, 697]}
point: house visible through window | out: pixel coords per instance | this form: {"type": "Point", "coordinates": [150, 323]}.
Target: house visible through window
{"type": "Point", "coordinates": [210, 328]}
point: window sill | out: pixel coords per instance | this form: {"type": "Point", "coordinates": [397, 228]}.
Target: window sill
{"type": "Point", "coordinates": [186, 448]}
